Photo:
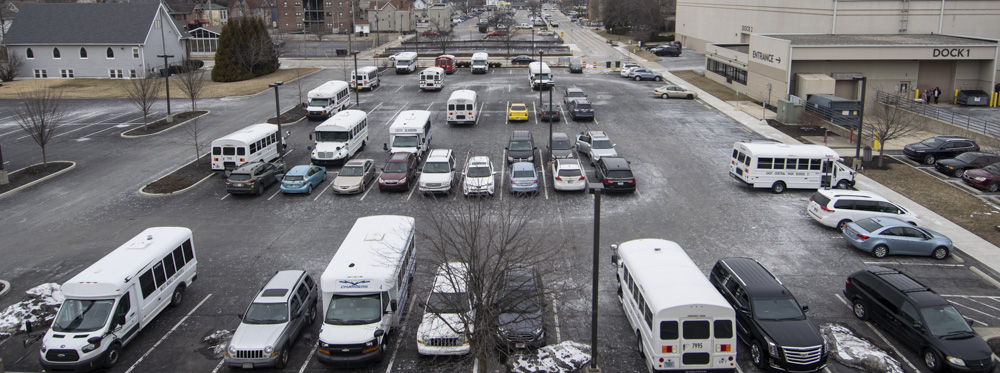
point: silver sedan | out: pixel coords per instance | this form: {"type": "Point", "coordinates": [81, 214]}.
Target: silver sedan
{"type": "Point", "coordinates": [883, 235]}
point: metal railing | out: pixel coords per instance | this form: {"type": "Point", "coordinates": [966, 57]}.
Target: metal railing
{"type": "Point", "coordinates": [984, 126]}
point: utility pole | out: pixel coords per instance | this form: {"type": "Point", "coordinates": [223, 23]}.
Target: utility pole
{"type": "Point", "coordinates": [166, 63]}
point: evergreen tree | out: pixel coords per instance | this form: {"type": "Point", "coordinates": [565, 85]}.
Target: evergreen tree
{"type": "Point", "coordinates": [245, 51]}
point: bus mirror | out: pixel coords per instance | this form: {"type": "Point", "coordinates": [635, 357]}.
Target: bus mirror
{"type": "Point", "coordinates": [27, 327]}
{"type": "Point", "coordinates": [805, 308]}
{"type": "Point", "coordinates": [288, 133]}
{"type": "Point", "coordinates": [614, 259]}
{"type": "Point", "coordinates": [379, 333]}
{"type": "Point", "coordinates": [385, 146]}
{"type": "Point", "coordinates": [240, 315]}
{"type": "Point", "coordinates": [310, 136]}
{"type": "Point", "coordinates": [393, 305]}
{"type": "Point", "coordinates": [309, 147]}
{"type": "Point", "coordinates": [121, 320]}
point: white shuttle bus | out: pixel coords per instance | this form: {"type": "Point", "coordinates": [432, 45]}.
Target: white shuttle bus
{"type": "Point", "coordinates": [406, 62]}
{"type": "Point", "coordinates": [463, 107]}
{"type": "Point", "coordinates": [410, 132]}
{"type": "Point", "coordinates": [257, 142]}
{"type": "Point", "coordinates": [432, 79]}
{"type": "Point", "coordinates": [540, 76]}
{"type": "Point", "coordinates": [108, 303]}
{"type": "Point", "coordinates": [365, 78]}
{"type": "Point", "coordinates": [365, 288]}
{"type": "Point", "coordinates": [339, 138]}
{"type": "Point", "coordinates": [778, 166]}
{"type": "Point", "coordinates": [680, 321]}
{"type": "Point", "coordinates": [480, 63]}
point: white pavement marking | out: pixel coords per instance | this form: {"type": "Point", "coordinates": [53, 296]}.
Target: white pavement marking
{"type": "Point", "coordinates": [534, 109]}
{"type": "Point", "coordinates": [396, 113]}
{"type": "Point", "coordinates": [555, 315]}
{"type": "Point", "coordinates": [275, 193]}
{"type": "Point", "coordinates": [842, 300]}
{"type": "Point", "coordinates": [225, 196]}
{"type": "Point", "coordinates": [168, 333]}
{"type": "Point", "coordinates": [310, 357]}
{"type": "Point", "coordinates": [429, 106]}
{"type": "Point", "coordinates": [375, 108]}
{"type": "Point", "coordinates": [503, 173]}
{"type": "Point", "coordinates": [328, 185]}
{"type": "Point", "coordinates": [413, 188]}
{"type": "Point", "coordinates": [397, 89]}
{"type": "Point", "coordinates": [915, 264]}
{"type": "Point", "coordinates": [374, 181]}
{"type": "Point", "coordinates": [219, 366]}
{"type": "Point", "coordinates": [507, 115]}
{"type": "Point", "coordinates": [975, 310]}
{"type": "Point", "coordinates": [986, 277]}
{"type": "Point", "coordinates": [409, 311]}
{"type": "Point", "coordinates": [545, 180]}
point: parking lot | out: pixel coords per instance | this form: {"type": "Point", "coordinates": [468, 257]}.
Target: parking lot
{"type": "Point", "coordinates": [679, 151]}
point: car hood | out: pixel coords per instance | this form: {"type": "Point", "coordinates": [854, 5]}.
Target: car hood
{"type": "Point", "coordinates": [918, 147]}
{"type": "Point", "coordinates": [347, 334]}
{"type": "Point", "coordinates": [435, 325]}
{"type": "Point", "coordinates": [435, 178]}
{"type": "Point", "coordinates": [520, 323]}
{"type": "Point", "coordinates": [953, 163]}
{"type": "Point", "coordinates": [978, 172]}
{"type": "Point", "coordinates": [792, 333]}
{"type": "Point", "coordinates": [521, 153]}
{"type": "Point", "coordinates": [392, 175]}
{"type": "Point", "coordinates": [479, 181]}
{"type": "Point", "coordinates": [562, 153]}
{"type": "Point", "coordinates": [604, 152]}
{"type": "Point", "coordinates": [348, 181]}
{"type": "Point", "coordinates": [328, 146]}
{"type": "Point", "coordinates": [256, 336]}
{"type": "Point", "coordinates": [968, 349]}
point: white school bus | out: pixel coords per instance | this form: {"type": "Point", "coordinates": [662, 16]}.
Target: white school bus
{"type": "Point", "coordinates": [680, 321]}
{"type": "Point", "coordinates": [769, 164]}
{"type": "Point", "coordinates": [255, 143]}
{"type": "Point", "coordinates": [463, 107]}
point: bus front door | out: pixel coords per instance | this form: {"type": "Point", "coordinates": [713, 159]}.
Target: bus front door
{"type": "Point", "coordinates": [826, 175]}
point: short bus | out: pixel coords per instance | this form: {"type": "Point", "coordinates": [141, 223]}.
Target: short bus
{"type": "Point", "coordinates": [446, 62]}
{"type": "Point", "coordinates": [337, 139]}
{"type": "Point", "coordinates": [365, 288]}
{"type": "Point", "coordinates": [258, 142]}
{"type": "Point", "coordinates": [432, 79]}
{"type": "Point", "coordinates": [681, 322]}
{"type": "Point", "coordinates": [770, 164]}
{"type": "Point", "coordinates": [463, 107]}
{"type": "Point", "coordinates": [365, 77]}
{"type": "Point", "coordinates": [406, 62]}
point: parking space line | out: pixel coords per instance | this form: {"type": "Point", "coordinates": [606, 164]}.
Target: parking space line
{"type": "Point", "coordinates": [275, 193]}
{"type": "Point", "coordinates": [225, 196]}
{"type": "Point", "coordinates": [409, 311]}
{"type": "Point", "coordinates": [535, 110]}
{"type": "Point", "coordinates": [375, 108]}
{"type": "Point", "coordinates": [503, 172]}
{"type": "Point", "coordinates": [310, 357]}
{"type": "Point", "coordinates": [396, 113]}
{"type": "Point", "coordinates": [168, 333]}
{"type": "Point", "coordinates": [397, 89]}
{"type": "Point", "coordinates": [975, 310]}
{"type": "Point", "coordinates": [219, 366]}
{"type": "Point", "coordinates": [915, 264]}
{"type": "Point", "coordinates": [555, 315]}
{"type": "Point", "coordinates": [412, 189]}
{"type": "Point", "coordinates": [507, 119]}
{"type": "Point", "coordinates": [328, 186]}
{"type": "Point", "coordinates": [842, 300]}
{"type": "Point", "coordinates": [429, 106]}
{"type": "Point", "coordinates": [374, 181]}
{"type": "Point", "coordinates": [545, 180]}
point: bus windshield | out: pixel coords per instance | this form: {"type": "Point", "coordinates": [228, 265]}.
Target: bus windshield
{"type": "Point", "coordinates": [332, 136]}
{"type": "Point", "coordinates": [354, 310]}
{"type": "Point", "coordinates": [319, 102]}
{"type": "Point", "coordinates": [404, 142]}
{"type": "Point", "coordinates": [80, 316]}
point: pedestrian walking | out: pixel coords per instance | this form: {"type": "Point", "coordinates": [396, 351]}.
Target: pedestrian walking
{"type": "Point", "coordinates": [937, 93]}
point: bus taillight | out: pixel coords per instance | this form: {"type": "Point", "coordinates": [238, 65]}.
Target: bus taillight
{"type": "Point", "coordinates": [667, 350]}
{"type": "Point", "coordinates": [215, 159]}
{"type": "Point", "coordinates": [243, 159]}
{"type": "Point", "coordinates": [726, 348]}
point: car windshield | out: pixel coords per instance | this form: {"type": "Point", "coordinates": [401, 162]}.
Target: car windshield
{"type": "Point", "coordinates": [932, 142]}
{"type": "Point", "coordinates": [266, 313]}
{"type": "Point", "coordinates": [354, 310]}
{"type": "Point", "coordinates": [436, 168]}
{"type": "Point", "coordinates": [80, 316]}
{"type": "Point", "coordinates": [945, 320]}
{"type": "Point", "coordinates": [401, 63]}
{"type": "Point", "coordinates": [519, 145]}
{"type": "Point", "coordinates": [293, 178]}
{"type": "Point", "coordinates": [404, 142]}
{"type": "Point", "coordinates": [561, 145]}
{"type": "Point", "coordinates": [520, 302]}
{"type": "Point", "coordinates": [479, 171]}
{"type": "Point", "coordinates": [993, 169]}
{"type": "Point", "coordinates": [966, 157]}
{"type": "Point", "coordinates": [351, 171]}
{"type": "Point", "coordinates": [570, 172]}
{"type": "Point", "coordinates": [583, 105]}
{"type": "Point", "coordinates": [395, 167]}
{"type": "Point", "coordinates": [332, 136]}
{"type": "Point", "coordinates": [523, 174]}
{"type": "Point", "coordinates": [319, 102]}
{"type": "Point", "coordinates": [448, 303]}
{"type": "Point", "coordinates": [575, 94]}
{"type": "Point", "coordinates": [602, 144]}
{"type": "Point", "coordinates": [777, 309]}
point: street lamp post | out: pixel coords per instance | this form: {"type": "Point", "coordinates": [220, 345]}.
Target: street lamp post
{"type": "Point", "coordinates": [357, 97]}
{"type": "Point", "coordinates": [166, 77]}
{"type": "Point", "coordinates": [277, 109]}
{"type": "Point", "coordinates": [551, 109]}
{"type": "Point", "coordinates": [540, 84]}
{"type": "Point", "coordinates": [861, 117]}
{"type": "Point", "coordinates": [596, 189]}
{"type": "Point", "coordinates": [3, 171]}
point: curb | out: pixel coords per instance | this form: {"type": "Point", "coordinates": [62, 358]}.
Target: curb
{"type": "Point", "coordinates": [12, 191]}
{"type": "Point", "coordinates": [6, 288]}
{"type": "Point", "coordinates": [147, 194]}
{"type": "Point", "coordinates": [123, 134]}
{"type": "Point", "coordinates": [319, 68]}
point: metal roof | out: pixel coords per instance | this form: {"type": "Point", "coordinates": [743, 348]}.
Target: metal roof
{"type": "Point", "coordinates": [892, 40]}
{"type": "Point", "coordinates": [83, 23]}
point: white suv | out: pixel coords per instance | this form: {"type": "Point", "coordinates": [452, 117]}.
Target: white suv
{"type": "Point", "coordinates": [628, 67]}
{"type": "Point", "coordinates": [837, 207]}
{"type": "Point", "coordinates": [438, 173]}
{"type": "Point", "coordinates": [447, 312]}
{"type": "Point", "coordinates": [479, 177]}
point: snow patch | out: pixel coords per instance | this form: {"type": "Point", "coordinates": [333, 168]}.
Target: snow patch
{"type": "Point", "coordinates": [217, 341]}
{"type": "Point", "coordinates": [855, 352]}
{"type": "Point", "coordinates": [564, 357]}
{"type": "Point", "coordinates": [39, 306]}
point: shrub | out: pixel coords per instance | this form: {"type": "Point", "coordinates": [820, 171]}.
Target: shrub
{"type": "Point", "coordinates": [463, 64]}
{"type": "Point", "coordinates": [495, 64]}
{"type": "Point", "coordinates": [245, 51]}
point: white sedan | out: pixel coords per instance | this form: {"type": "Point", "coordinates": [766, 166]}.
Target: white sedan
{"type": "Point", "coordinates": [567, 174]}
{"type": "Point", "coordinates": [675, 91]}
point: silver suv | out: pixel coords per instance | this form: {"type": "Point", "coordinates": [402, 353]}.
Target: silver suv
{"type": "Point", "coordinates": [281, 310]}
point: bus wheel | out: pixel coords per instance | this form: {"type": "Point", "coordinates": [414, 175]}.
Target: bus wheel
{"type": "Point", "coordinates": [638, 344]}
{"type": "Point", "coordinates": [778, 187]}
{"type": "Point", "coordinates": [844, 184]}
{"type": "Point", "coordinates": [363, 144]}
{"type": "Point", "coordinates": [178, 296]}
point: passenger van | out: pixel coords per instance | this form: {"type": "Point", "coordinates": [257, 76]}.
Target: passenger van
{"type": "Point", "coordinates": [366, 77]}
{"type": "Point", "coordinates": [778, 166]}
{"type": "Point", "coordinates": [539, 75]}
{"type": "Point", "coordinates": [480, 63]}
{"type": "Point", "coordinates": [446, 62]}
{"type": "Point", "coordinates": [339, 138]}
{"type": "Point", "coordinates": [406, 62]}
{"type": "Point", "coordinates": [108, 303]}
{"type": "Point", "coordinates": [365, 288]}
{"type": "Point", "coordinates": [680, 321]}
{"type": "Point", "coordinates": [255, 143]}
{"type": "Point", "coordinates": [410, 132]}
{"type": "Point", "coordinates": [432, 79]}
{"type": "Point", "coordinates": [463, 107]}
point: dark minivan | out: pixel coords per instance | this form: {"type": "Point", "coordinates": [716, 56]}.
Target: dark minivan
{"type": "Point", "coordinates": [921, 318]}
{"type": "Point", "coordinates": [768, 317]}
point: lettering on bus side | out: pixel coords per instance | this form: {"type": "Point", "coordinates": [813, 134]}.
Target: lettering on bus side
{"type": "Point", "coordinates": [781, 173]}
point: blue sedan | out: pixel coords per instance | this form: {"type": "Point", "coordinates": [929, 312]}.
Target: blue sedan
{"type": "Point", "coordinates": [302, 179]}
{"type": "Point", "coordinates": [523, 178]}
{"type": "Point", "coordinates": [882, 236]}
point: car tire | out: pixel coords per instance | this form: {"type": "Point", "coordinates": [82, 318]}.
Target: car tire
{"type": "Point", "coordinates": [880, 251]}
{"type": "Point", "coordinates": [258, 190]}
{"type": "Point", "coordinates": [844, 184]}
{"type": "Point", "coordinates": [637, 78]}
{"type": "Point", "coordinates": [842, 224]}
{"type": "Point", "coordinates": [932, 360]}
{"type": "Point", "coordinates": [112, 356]}
{"type": "Point", "coordinates": [282, 360]}
{"type": "Point", "coordinates": [929, 159]}
{"type": "Point", "coordinates": [993, 187]}
{"type": "Point", "coordinates": [312, 316]}
{"type": "Point", "coordinates": [690, 97]}
{"type": "Point", "coordinates": [860, 310]}
{"type": "Point", "coordinates": [757, 354]}
{"type": "Point", "coordinates": [958, 173]}
{"type": "Point", "coordinates": [324, 176]}
{"type": "Point", "coordinates": [656, 78]}
{"type": "Point", "coordinates": [309, 189]}
{"type": "Point", "coordinates": [940, 253]}
{"type": "Point", "coordinates": [664, 96]}
{"type": "Point", "coordinates": [177, 297]}
{"type": "Point", "coordinates": [778, 187]}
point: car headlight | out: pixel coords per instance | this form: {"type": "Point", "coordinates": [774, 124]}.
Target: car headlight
{"type": "Point", "coordinates": [90, 347]}
{"type": "Point", "coordinates": [539, 330]}
{"type": "Point", "coordinates": [232, 350]}
{"type": "Point", "coordinates": [402, 181]}
{"type": "Point", "coordinates": [370, 343]}
{"type": "Point", "coordinates": [44, 347]}
{"type": "Point", "coordinates": [979, 178]}
{"type": "Point", "coordinates": [531, 159]}
{"type": "Point", "coordinates": [268, 349]}
{"type": "Point", "coordinates": [324, 345]}
{"type": "Point", "coordinates": [772, 348]}
{"type": "Point", "coordinates": [955, 360]}
{"type": "Point", "coordinates": [503, 331]}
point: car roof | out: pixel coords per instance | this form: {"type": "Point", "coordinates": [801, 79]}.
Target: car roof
{"type": "Point", "coordinates": [580, 100]}
{"type": "Point", "coordinates": [560, 136]}
{"type": "Point", "coordinates": [355, 162]}
{"type": "Point", "coordinates": [889, 221]}
{"type": "Point", "coordinates": [399, 156]}
{"type": "Point", "coordinates": [840, 193]}
{"type": "Point", "coordinates": [756, 279]}
{"type": "Point", "coordinates": [615, 163]}
{"type": "Point", "coordinates": [522, 166]}
{"type": "Point", "coordinates": [282, 280]}
{"type": "Point", "coordinates": [597, 134]}
{"type": "Point", "coordinates": [520, 135]}
{"type": "Point", "coordinates": [247, 167]}
{"type": "Point", "coordinates": [573, 89]}
{"type": "Point", "coordinates": [951, 138]}
{"type": "Point", "coordinates": [479, 160]}
{"type": "Point", "coordinates": [435, 153]}
{"type": "Point", "coordinates": [921, 294]}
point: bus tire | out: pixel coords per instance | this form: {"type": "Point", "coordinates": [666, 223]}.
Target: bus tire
{"type": "Point", "coordinates": [638, 344]}
{"type": "Point", "coordinates": [112, 356]}
{"type": "Point", "coordinates": [778, 187]}
{"type": "Point", "coordinates": [844, 184]}
{"type": "Point", "coordinates": [178, 296]}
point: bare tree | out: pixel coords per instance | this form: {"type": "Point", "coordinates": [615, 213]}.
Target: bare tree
{"type": "Point", "coordinates": [191, 83]}
{"type": "Point", "coordinates": [10, 67]}
{"type": "Point", "coordinates": [143, 93]}
{"type": "Point", "coordinates": [493, 239]}
{"type": "Point", "coordinates": [193, 130]}
{"type": "Point", "coordinates": [258, 50]}
{"type": "Point", "coordinates": [444, 37]}
{"type": "Point", "coordinates": [319, 30]}
{"type": "Point", "coordinates": [887, 121]}
{"type": "Point", "coordinates": [40, 114]}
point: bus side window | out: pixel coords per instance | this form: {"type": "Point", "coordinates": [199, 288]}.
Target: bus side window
{"type": "Point", "coordinates": [779, 164]}
{"type": "Point", "coordinates": [804, 164]}
{"type": "Point", "coordinates": [764, 163]}
{"type": "Point", "coordinates": [815, 164]}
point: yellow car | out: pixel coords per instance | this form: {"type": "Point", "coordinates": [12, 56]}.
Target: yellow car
{"type": "Point", "coordinates": [517, 112]}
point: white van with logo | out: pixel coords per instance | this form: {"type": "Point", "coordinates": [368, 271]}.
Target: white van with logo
{"type": "Point", "coordinates": [480, 63]}
{"type": "Point", "coordinates": [406, 62]}
{"type": "Point", "coordinates": [410, 132]}
{"type": "Point", "coordinates": [539, 75]}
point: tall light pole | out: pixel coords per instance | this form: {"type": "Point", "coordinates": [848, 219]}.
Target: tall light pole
{"type": "Point", "coordinates": [540, 84]}
{"type": "Point", "coordinates": [861, 116]}
{"type": "Point", "coordinates": [3, 171]}
{"type": "Point", "coordinates": [357, 97]}
{"type": "Point", "coordinates": [277, 109]}
{"type": "Point", "coordinates": [166, 66]}
{"type": "Point", "coordinates": [551, 110]}
{"type": "Point", "coordinates": [596, 189]}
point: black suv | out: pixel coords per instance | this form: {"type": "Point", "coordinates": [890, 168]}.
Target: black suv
{"type": "Point", "coordinates": [771, 321]}
{"type": "Point", "coordinates": [616, 174]}
{"type": "Point", "coordinates": [580, 108]}
{"type": "Point", "coordinates": [521, 147]}
{"type": "Point", "coordinates": [965, 161]}
{"type": "Point", "coordinates": [921, 318]}
{"type": "Point", "coordinates": [520, 322]}
{"type": "Point", "coordinates": [939, 147]}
